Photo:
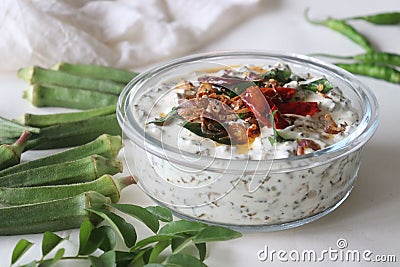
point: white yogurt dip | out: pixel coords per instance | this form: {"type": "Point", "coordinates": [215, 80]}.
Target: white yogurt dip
{"type": "Point", "coordinates": [226, 198]}
{"type": "Point", "coordinates": [332, 104]}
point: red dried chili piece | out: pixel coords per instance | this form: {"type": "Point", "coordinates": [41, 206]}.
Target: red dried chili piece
{"type": "Point", "coordinates": [299, 108]}
{"type": "Point", "coordinates": [279, 121]}
{"type": "Point", "coordinates": [302, 144]}
{"type": "Point", "coordinates": [284, 93]}
{"type": "Point", "coordinates": [262, 106]}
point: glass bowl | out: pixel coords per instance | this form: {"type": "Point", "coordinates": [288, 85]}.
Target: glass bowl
{"type": "Point", "coordinates": [246, 195]}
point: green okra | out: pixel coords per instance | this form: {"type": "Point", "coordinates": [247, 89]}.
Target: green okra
{"type": "Point", "coordinates": [41, 76]}
{"type": "Point", "coordinates": [77, 171]}
{"type": "Point", "coordinates": [56, 96]}
{"type": "Point", "coordinates": [7, 141]}
{"type": "Point", "coordinates": [56, 215]}
{"type": "Point", "coordinates": [105, 145]}
{"type": "Point", "coordinates": [10, 155]}
{"type": "Point", "coordinates": [105, 185]}
{"type": "Point", "coordinates": [44, 120]}
{"type": "Point", "coordinates": [75, 133]}
{"type": "Point", "coordinates": [96, 72]}
{"type": "Point", "coordinates": [10, 129]}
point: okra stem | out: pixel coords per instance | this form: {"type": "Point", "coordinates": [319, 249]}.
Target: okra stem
{"type": "Point", "coordinates": [56, 215]}
{"type": "Point", "coordinates": [56, 96]}
{"type": "Point", "coordinates": [97, 72]}
{"type": "Point", "coordinates": [105, 145]}
{"type": "Point", "coordinates": [105, 185]}
{"type": "Point", "coordinates": [12, 129]}
{"type": "Point", "coordinates": [76, 171]}
{"type": "Point", "coordinates": [10, 155]}
{"type": "Point", "coordinates": [38, 75]}
{"type": "Point", "coordinates": [123, 182]}
{"type": "Point", "coordinates": [76, 133]}
{"type": "Point", "coordinates": [43, 120]}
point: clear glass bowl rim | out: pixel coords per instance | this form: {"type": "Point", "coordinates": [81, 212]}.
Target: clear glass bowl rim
{"type": "Point", "coordinates": [364, 131]}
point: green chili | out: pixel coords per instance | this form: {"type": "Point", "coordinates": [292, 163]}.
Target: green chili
{"type": "Point", "coordinates": [281, 75]}
{"type": "Point", "coordinates": [370, 57]}
{"type": "Point", "coordinates": [320, 85]}
{"type": "Point", "coordinates": [389, 18]}
{"type": "Point", "coordinates": [372, 70]}
{"type": "Point", "coordinates": [345, 29]}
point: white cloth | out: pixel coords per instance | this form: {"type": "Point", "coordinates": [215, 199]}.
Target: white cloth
{"type": "Point", "coordinates": [120, 33]}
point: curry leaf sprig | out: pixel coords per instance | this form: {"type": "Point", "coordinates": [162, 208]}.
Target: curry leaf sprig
{"type": "Point", "coordinates": [97, 244]}
{"type": "Point", "coordinates": [167, 118]}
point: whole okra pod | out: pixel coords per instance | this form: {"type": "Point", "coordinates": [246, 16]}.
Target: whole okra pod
{"type": "Point", "coordinates": [105, 145]}
{"type": "Point", "coordinates": [96, 71]}
{"type": "Point", "coordinates": [56, 96]}
{"type": "Point", "coordinates": [75, 133]}
{"type": "Point", "coordinates": [10, 155]}
{"type": "Point", "coordinates": [76, 171]}
{"type": "Point", "coordinates": [38, 75]}
{"type": "Point", "coordinates": [44, 120]}
{"type": "Point", "coordinates": [105, 185]}
{"type": "Point", "coordinates": [53, 215]}
{"type": "Point", "coordinates": [11, 129]}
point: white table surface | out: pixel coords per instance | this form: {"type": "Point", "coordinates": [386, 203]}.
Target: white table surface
{"type": "Point", "coordinates": [369, 218]}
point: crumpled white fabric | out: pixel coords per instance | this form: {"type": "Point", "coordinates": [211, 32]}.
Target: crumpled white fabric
{"type": "Point", "coordinates": [120, 33]}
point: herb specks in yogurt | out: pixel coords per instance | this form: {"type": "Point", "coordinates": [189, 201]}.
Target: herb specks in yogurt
{"type": "Point", "coordinates": [251, 113]}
